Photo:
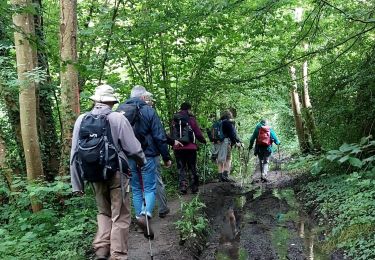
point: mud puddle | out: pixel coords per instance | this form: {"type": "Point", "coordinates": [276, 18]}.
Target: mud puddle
{"type": "Point", "coordinates": [268, 224]}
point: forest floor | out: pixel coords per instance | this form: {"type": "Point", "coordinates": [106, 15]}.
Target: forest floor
{"type": "Point", "coordinates": [268, 224]}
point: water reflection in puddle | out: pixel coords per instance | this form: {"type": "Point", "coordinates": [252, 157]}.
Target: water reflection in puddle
{"type": "Point", "coordinates": [291, 224]}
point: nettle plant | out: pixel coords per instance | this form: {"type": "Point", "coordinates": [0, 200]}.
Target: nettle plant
{"type": "Point", "coordinates": [360, 155]}
{"type": "Point", "coordinates": [193, 222]}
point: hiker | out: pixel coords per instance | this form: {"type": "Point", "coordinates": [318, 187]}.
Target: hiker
{"type": "Point", "coordinates": [150, 132]}
{"type": "Point", "coordinates": [264, 136]}
{"type": "Point", "coordinates": [111, 193]}
{"type": "Point", "coordinates": [186, 130]}
{"type": "Point", "coordinates": [161, 196]}
{"type": "Point", "coordinates": [222, 146]}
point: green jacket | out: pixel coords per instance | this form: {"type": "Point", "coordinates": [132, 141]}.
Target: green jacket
{"type": "Point", "coordinates": [274, 138]}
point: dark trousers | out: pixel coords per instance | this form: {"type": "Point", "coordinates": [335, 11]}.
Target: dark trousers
{"type": "Point", "coordinates": [187, 162]}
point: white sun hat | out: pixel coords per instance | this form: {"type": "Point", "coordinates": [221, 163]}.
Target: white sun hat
{"type": "Point", "coordinates": [104, 93]}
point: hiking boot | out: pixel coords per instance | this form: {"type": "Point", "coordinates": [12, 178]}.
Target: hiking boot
{"type": "Point", "coordinates": [225, 177]}
{"type": "Point", "coordinates": [263, 179]}
{"type": "Point", "coordinates": [183, 188]}
{"type": "Point", "coordinates": [141, 221]}
{"type": "Point", "coordinates": [194, 189]}
{"type": "Point", "coordinates": [101, 253]}
{"type": "Point", "coordinates": [164, 214]}
{"type": "Point", "coordinates": [220, 177]}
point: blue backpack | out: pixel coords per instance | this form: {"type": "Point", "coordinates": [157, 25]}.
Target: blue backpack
{"type": "Point", "coordinates": [215, 134]}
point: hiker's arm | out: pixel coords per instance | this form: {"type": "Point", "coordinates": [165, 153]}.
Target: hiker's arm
{"type": "Point", "coordinates": [76, 179]}
{"type": "Point", "coordinates": [232, 133]}
{"type": "Point", "coordinates": [159, 137]}
{"type": "Point", "coordinates": [274, 137]}
{"type": "Point", "coordinates": [197, 131]}
{"type": "Point", "coordinates": [121, 127]}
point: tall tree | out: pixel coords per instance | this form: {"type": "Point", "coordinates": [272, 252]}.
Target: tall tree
{"type": "Point", "coordinates": [26, 67]}
{"type": "Point", "coordinates": [307, 107]}
{"type": "Point", "coordinates": [47, 128]}
{"type": "Point", "coordinates": [68, 77]}
{"type": "Point", "coordinates": [296, 107]}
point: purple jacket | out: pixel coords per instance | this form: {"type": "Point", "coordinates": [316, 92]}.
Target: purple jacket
{"type": "Point", "coordinates": [197, 131]}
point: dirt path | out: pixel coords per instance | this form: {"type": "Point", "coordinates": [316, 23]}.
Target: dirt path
{"type": "Point", "coordinates": [268, 225]}
{"type": "Point", "coordinates": [165, 245]}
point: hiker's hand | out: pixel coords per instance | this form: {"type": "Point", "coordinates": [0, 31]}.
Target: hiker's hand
{"type": "Point", "coordinates": [78, 193]}
{"type": "Point", "coordinates": [178, 143]}
{"type": "Point", "coordinates": [239, 145]}
{"type": "Point", "coordinates": [167, 164]}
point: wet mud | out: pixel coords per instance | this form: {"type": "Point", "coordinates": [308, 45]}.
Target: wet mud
{"type": "Point", "coordinates": [260, 221]}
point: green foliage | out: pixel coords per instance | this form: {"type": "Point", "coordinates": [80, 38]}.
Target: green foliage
{"type": "Point", "coordinates": [63, 229]}
{"type": "Point", "coordinates": [343, 197]}
{"type": "Point", "coordinates": [193, 223]}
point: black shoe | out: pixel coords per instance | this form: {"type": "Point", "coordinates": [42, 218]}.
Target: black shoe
{"type": "Point", "coordinates": [225, 177]}
{"type": "Point", "coordinates": [194, 189]}
{"type": "Point", "coordinates": [164, 214]}
{"type": "Point", "coordinates": [220, 177]}
{"type": "Point", "coordinates": [263, 179]}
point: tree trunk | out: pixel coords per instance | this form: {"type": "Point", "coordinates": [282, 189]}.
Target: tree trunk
{"type": "Point", "coordinates": [27, 62]}
{"type": "Point", "coordinates": [309, 115]}
{"type": "Point", "coordinates": [68, 78]}
{"type": "Point", "coordinates": [297, 113]}
{"type": "Point", "coordinates": [47, 129]}
{"type": "Point", "coordinates": [9, 95]}
{"type": "Point", "coordinates": [5, 169]}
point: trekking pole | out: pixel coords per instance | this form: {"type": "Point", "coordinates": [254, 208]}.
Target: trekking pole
{"type": "Point", "coordinates": [240, 160]}
{"type": "Point", "coordinates": [278, 152]}
{"type": "Point", "coordinates": [144, 205]}
{"type": "Point", "coordinates": [204, 164]}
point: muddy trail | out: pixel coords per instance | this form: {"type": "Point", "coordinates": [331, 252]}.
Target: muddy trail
{"type": "Point", "coordinates": [255, 221]}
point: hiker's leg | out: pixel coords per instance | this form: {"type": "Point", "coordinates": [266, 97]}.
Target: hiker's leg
{"type": "Point", "coordinates": [181, 167]}
{"type": "Point", "coordinates": [101, 241]}
{"type": "Point", "coordinates": [149, 186]}
{"type": "Point", "coordinates": [120, 218]}
{"type": "Point", "coordinates": [265, 165]}
{"type": "Point", "coordinates": [228, 161]}
{"type": "Point", "coordinates": [192, 165]}
{"type": "Point", "coordinates": [136, 188]}
{"type": "Point", "coordinates": [160, 188]}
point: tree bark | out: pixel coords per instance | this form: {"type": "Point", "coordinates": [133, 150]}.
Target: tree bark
{"type": "Point", "coordinates": [297, 112]}
{"type": "Point", "coordinates": [68, 78]}
{"type": "Point", "coordinates": [27, 62]}
{"type": "Point", "coordinates": [9, 95]}
{"type": "Point", "coordinates": [306, 103]}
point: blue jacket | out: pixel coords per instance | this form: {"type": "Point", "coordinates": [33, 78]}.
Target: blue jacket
{"type": "Point", "coordinates": [150, 130]}
{"type": "Point", "coordinates": [274, 138]}
{"type": "Point", "coordinates": [229, 131]}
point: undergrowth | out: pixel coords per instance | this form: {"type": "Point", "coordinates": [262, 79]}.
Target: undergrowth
{"type": "Point", "coordinates": [61, 230]}
{"type": "Point", "coordinates": [342, 197]}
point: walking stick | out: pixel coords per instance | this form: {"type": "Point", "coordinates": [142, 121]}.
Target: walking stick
{"type": "Point", "coordinates": [144, 205]}
{"type": "Point", "coordinates": [204, 164]}
{"type": "Point", "coordinates": [239, 158]}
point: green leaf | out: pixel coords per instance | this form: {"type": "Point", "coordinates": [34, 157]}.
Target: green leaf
{"type": "Point", "coordinates": [347, 147]}
{"type": "Point", "coordinates": [355, 162]}
{"type": "Point", "coordinates": [332, 157]}
{"type": "Point", "coordinates": [316, 168]}
{"type": "Point", "coordinates": [344, 159]}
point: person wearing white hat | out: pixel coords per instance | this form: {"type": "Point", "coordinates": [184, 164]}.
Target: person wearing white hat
{"type": "Point", "coordinates": [113, 205]}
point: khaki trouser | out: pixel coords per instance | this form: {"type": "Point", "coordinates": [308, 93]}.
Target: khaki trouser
{"type": "Point", "coordinates": [113, 217]}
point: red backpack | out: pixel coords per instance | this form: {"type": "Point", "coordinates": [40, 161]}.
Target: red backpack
{"type": "Point", "coordinates": [264, 136]}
